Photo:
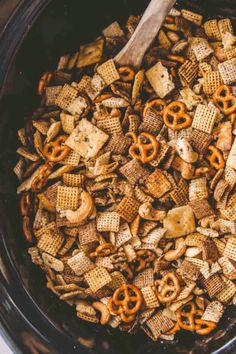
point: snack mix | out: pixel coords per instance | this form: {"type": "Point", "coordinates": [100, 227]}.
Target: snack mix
{"type": "Point", "coordinates": [128, 179]}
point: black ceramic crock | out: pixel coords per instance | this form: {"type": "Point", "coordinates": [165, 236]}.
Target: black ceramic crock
{"type": "Point", "coordinates": [31, 317]}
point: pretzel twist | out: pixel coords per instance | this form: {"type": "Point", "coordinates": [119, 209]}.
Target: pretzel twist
{"type": "Point", "coordinates": [175, 116]}
{"type": "Point", "coordinates": [215, 157]}
{"type": "Point", "coordinates": [144, 259]}
{"type": "Point", "coordinates": [126, 73]}
{"type": "Point", "coordinates": [168, 288]}
{"type": "Point", "coordinates": [158, 104]}
{"type": "Point", "coordinates": [103, 250]}
{"type": "Point", "coordinates": [203, 327]}
{"type": "Point", "coordinates": [56, 150]}
{"type": "Point", "coordinates": [141, 150]}
{"type": "Point", "coordinates": [186, 316]}
{"type": "Point", "coordinates": [126, 302]}
{"type": "Point", "coordinates": [40, 180]}
{"type": "Point", "coordinates": [224, 100]}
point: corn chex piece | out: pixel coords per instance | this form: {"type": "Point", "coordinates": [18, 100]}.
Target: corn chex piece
{"type": "Point", "coordinates": [128, 208]}
{"type": "Point", "coordinates": [213, 312]}
{"type": "Point", "coordinates": [212, 30]}
{"type": "Point", "coordinates": [192, 17]}
{"type": "Point", "coordinates": [45, 230]}
{"type": "Point", "coordinates": [201, 49]}
{"type": "Point", "coordinates": [164, 40]}
{"type": "Point", "coordinates": [110, 126]}
{"type": "Point", "coordinates": [86, 139]}
{"type": "Point", "coordinates": [157, 184]}
{"type": "Point", "coordinates": [113, 30]}
{"type": "Point", "coordinates": [72, 159]}
{"type": "Point", "coordinates": [108, 72]}
{"type": "Point", "coordinates": [188, 71]}
{"type": "Point", "coordinates": [213, 285]}
{"type": "Point", "coordinates": [230, 249]}
{"type": "Point", "coordinates": [225, 25]}
{"type": "Point", "coordinates": [134, 172]}
{"type": "Point", "coordinates": [66, 96]}
{"type": "Point", "coordinates": [227, 71]}
{"type": "Point", "coordinates": [159, 78]}
{"type": "Point", "coordinates": [150, 298]}
{"type": "Point", "coordinates": [73, 180]}
{"type": "Point", "coordinates": [90, 53]}
{"type": "Point", "coordinates": [67, 198]}
{"type": "Point", "coordinates": [97, 278]}
{"type": "Point", "coordinates": [179, 222]}
{"type": "Point", "coordinates": [51, 241]}
{"type": "Point", "coordinates": [228, 291]}
{"type": "Point", "coordinates": [227, 266]}
{"type": "Point", "coordinates": [211, 81]}
{"type": "Point", "coordinates": [189, 271]}
{"type": "Point", "coordinates": [204, 118]}
{"type": "Point", "coordinates": [80, 263]}
{"type": "Point", "coordinates": [108, 221]}
{"type": "Point", "coordinates": [158, 324]}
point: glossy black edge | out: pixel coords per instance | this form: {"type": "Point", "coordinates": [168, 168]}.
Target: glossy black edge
{"type": "Point", "coordinates": [20, 306]}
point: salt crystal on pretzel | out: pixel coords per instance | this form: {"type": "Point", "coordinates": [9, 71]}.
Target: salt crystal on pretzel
{"type": "Point", "coordinates": [179, 222]}
{"type": "Point", "coordinates": [227, 70]}
{"type": "Point", "coordinates": [213, 312]}
{"type": "Point", "coordinates": [90, 53]}
{"type": "Point", "coordinates": [97, 278]}
{"type": "Point", "coordinates": [108, 221]}
{"type": "Point", "coordinates": [86, 139]}
{"type": "Point", "coordinates": [160, 80]}
{"type": "Point", "coordinates": [228, 291]}
{"type": "Point", "coordinates": [150, 299]}
{"type": "Point", "coordinates": [204, 118]}
{"type": "Point", "coordinates": [212, 30]}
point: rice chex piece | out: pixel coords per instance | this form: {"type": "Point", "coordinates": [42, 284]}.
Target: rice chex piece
{"type": "Point", "coordinates": [128, 208]}
{"type": "Point", "coordinates": [108, 72]}
{"type": "Point", "coordinates": [134, 172]}
{"type": "Point", "coordinates": [90, 53]}
{"type": "Point", "coordinates": [108, 221]}
{"type": "Point", "coordinates": [213, 312]}
{"type": "Point", "coordinates": [150, 299]}
{"type": "Point", "coordinates": [201, 208]}
{"type": "Point", "coordinates": [51, 94]}
{"type": "Point", "coordinates": [88, 233]}
{"type": "Point", "coordinates": [157, 184]}
{"type": "Point", "coordinates": [66, 96]}
{"type": "Point", "coordinates": [67, 198]}
{"type": "Point", "coordinates": [97, 278]}
{"type": "Point", "coordinates": [123, 235]}
{"type": "Point", "coordinates": [67, 122]}
{"type": "Point", "coordinates": [227, 71]}
{"type": "Point", "coordinates": [192, 17]}
{"type": "Point", "coordinates": [212, 30]}
{"type": "Point", "coordinates": [204, 118]}
{"type": "Point", "coordinates": [158, 324]}
{"type": "Point", "coordinates": [230, 249]}
{"type": "Point", "coordinates": [228, 291]}
{"type": "Point", "coordinates": [213, 285]}
{"type": "Point", "coordinates": [118, 144]}
{"type": "Point", "coordinates": [201, 49]}
{"type": "Point", "coordinates": [80, 263]}
{"type": "Point", "coordinates": [144, 278]}
{"type": "Point", "coordinates": [211, 81]}
{"type": "Point", "coordinates": [200, 140]}
{"type": "Point", "coordinates": [189, 271]}
{"type": "Point", "coordinates": [188, 71]}
{"type": "Point", "coordinates": [51, 241]}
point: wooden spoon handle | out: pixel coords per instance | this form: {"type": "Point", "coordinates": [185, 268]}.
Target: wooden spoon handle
{"type": "Point", "coordinates": [133, 52]}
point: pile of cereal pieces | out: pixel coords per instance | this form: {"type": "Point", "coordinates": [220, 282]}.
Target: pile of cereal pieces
{"type": "Point", "coordinates": [128, 179]}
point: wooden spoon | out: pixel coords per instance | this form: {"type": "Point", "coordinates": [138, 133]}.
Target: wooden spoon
{"type": "Point", "coordinates": [133, 52]}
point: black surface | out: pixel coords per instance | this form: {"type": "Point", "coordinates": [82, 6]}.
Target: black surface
{"type": "Point", "coordinates": [32, 315]}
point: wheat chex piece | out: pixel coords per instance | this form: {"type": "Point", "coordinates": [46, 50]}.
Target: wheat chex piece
{"type": "Point", "coordinates": [118, 144]}
{"type": "Point", "coordinates": [198, 189]}
{"type": "Point", "coordinates": [108, 72]}
{"type": "Point", "coordinates": [201, 208]}
{"type": "Point", "coordinates": [111, 126]}
{"type": "Point", "coordinates": [51, 241]}
{"type": "Point", "coordinates": [228, 291]}
{"type": "Point", "coordinates": [212, 30]}
{"type": "Point", "coordinates": [209, 250]}
{"type": "Point", "coordinates": [160, 80]}
{"type": "Point", "coordinates": [157, 184]}
{"type": "Point", "coordinates": [123, 235]}
{"type": "Point", "coordinates": [157, 325]}
{"type": "Point", "coordinates": [230, 176]}
{"type": "Point", "coordinates": [67, 198]}
{"type": "Point", "coordinates": [179, 222]}
{"type": "Point", "coordinates": [227, 71]}
{"type": "Point", "coordinates": [225, 25]}
{"type": "Point", "coordinates": [45, 230]}
{"type": "Point", "coordinates": [192, 17]}
{"type": "Point", "coordinates": [201, 49]}
{"type": "Point", "coordinates": [211, 81]}
{"type": "Point", "coordinates": [51, 94]}
{"type": "Point", "coordinates": [230, 249]}
{"type": "Point", "coordinates": [118, 279]}
{"type": "Point", "coordinates": [231, 161]}
{"type": "Point", "coordinates": [200, 140]}
{"type": "Point", "coordinates": [88, 233]}
{"type": "Point", "coordinates": [66, 96]}
{"type": "Point", "coordinates": [189, 271]}
{"type": "Point", "coordinates": [180, 194]}
{"type": "Point", "coordinates": [67, 122]}
{"type": "Point", "coordinates": [80, 263]}
{"type": "Point", "coordinates": [97, 278]}
{"type": "Point", "coordinates": [213, 285]}
{"type": "Point", "coordinates": [128, 208]}
{"type": "Point", "coordinates": [108, 221]}
{"type": "Point", "coordinates": [229, 211]}
{"type": "Point", "coordinates": [213, 312]}
{"type": "Point", "coordinates": [144, 278]}
{"type": "Point", "coordinates": [228, 267]}
{"type": "Point", "coordinates": [188, 72]}
{"type": "Point", "coordinates": [134, 172]}
{"type": "Point", "coordinates": [150, 299]}
{"type": "Point", "coordinates": [152, 122]}
{"type": "Point", "coordinates": [204, 118]}
{"type": "Point", "coordinates": [86, 139]}
{"type": "Point", "coordinates": [90, 53]}
{"type": "Point", "coordinates": [51, 193]}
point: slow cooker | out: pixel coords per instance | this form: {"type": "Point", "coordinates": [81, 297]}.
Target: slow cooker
{"type": "Point", "coordinates": [32, 319]}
